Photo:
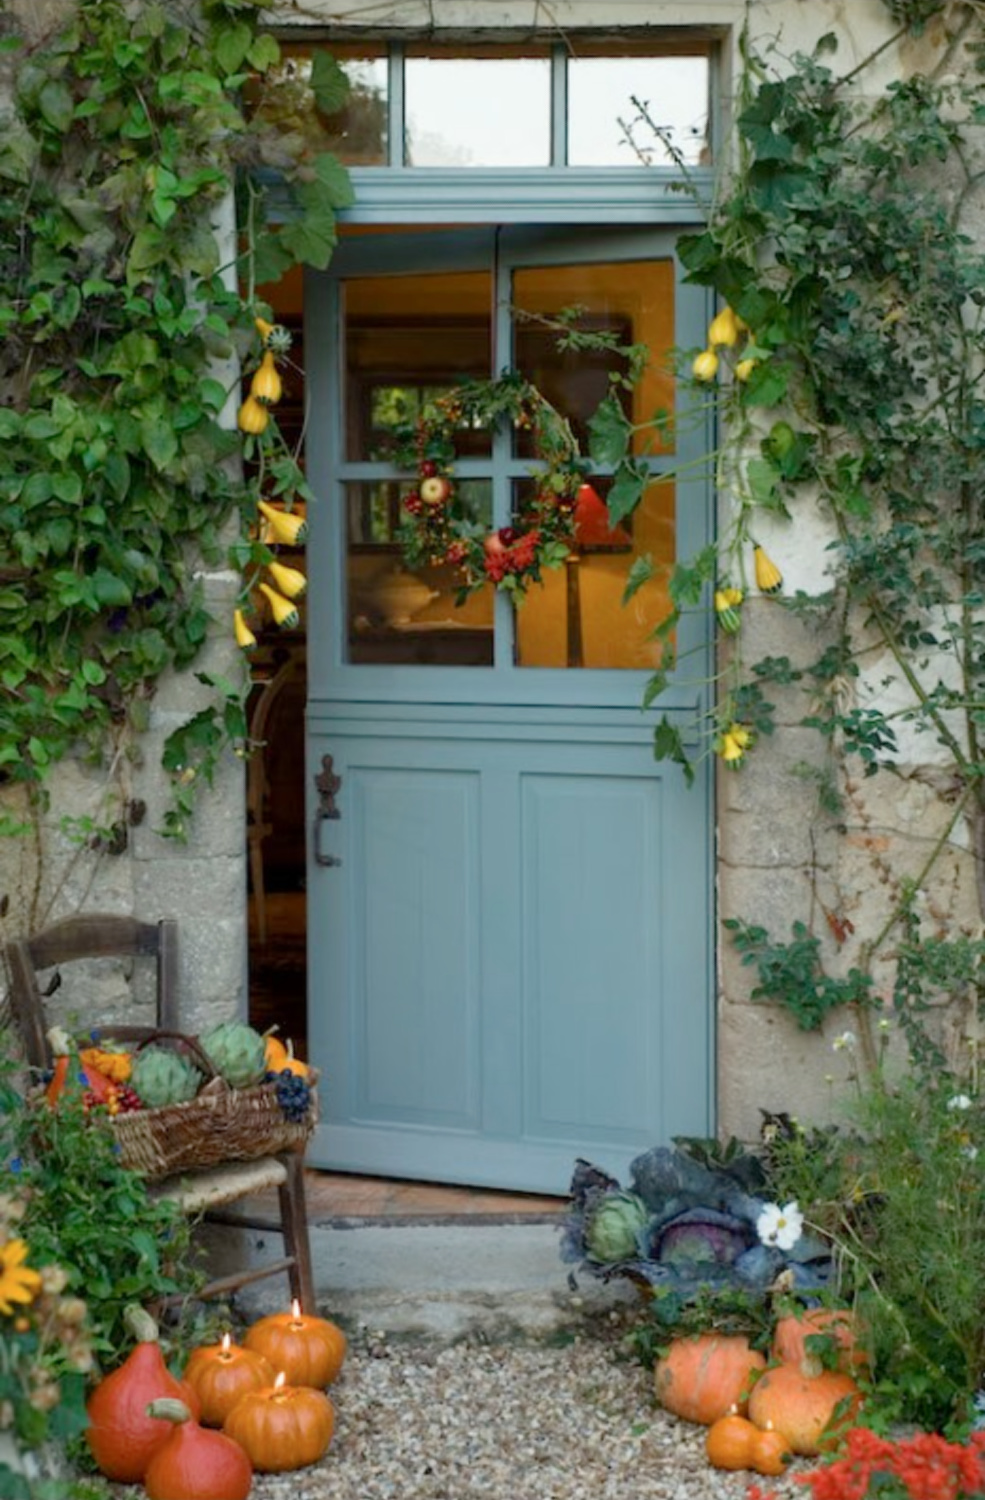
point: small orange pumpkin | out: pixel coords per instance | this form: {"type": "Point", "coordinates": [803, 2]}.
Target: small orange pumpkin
{"type": "Point", "coordinates": [769, 1452]}
{"type": "Point", "coordinates": [799, 1401]}
{"type": "Point", "coordinates": [729, 1442]}
{"type": "Point", "coordinates": [310, 1351]}
{"type": "Point", "coordinates": [838, 1323]}
{"type": "Point", "coordinates": [703, 1378]}
{"type": "Point", "coordinates": [280, 1057]}
{"type": "Point", "coordinates": [282, 1427]}
{"type": "Point", "coordinates": [220, 1374]}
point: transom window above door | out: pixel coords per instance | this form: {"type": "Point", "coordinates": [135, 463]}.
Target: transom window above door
{"type": "Point", "coordinates": [582, 103]}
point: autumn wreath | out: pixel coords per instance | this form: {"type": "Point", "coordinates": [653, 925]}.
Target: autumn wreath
{"type": "Point", "coordinates": [439, 528]}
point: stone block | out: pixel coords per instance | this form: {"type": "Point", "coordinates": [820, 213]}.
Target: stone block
{"type": "Point", "coordinates": [218, 823]}
{"type": "Point", "coordinates": [765, 1062]}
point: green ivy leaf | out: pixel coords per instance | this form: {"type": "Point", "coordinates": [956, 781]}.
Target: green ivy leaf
{"type": "Point", "coordinates": [609, 432]}
{"type": "Point", "coordinates": [642, 570]}
{"type": "Point", "coordinates": [159, 441]}
{"type": "Point", "coordinates": [329, 83]}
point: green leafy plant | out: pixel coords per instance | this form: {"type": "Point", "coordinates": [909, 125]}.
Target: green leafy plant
{"type": "Point", "coordinates": [121, 330]}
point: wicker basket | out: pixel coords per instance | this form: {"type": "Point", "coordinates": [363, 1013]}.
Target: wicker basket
{"type": "Point", "coordinates": [220, 1124]}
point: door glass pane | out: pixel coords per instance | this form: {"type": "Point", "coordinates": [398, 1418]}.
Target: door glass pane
{"type": "Point", "coordinates": [577, 619]}
{"type": "Point", "coordinates": [398, 616]}
{"type": "Point", "coordinates": [486, 109]}
{"type": "Point", "coordinates": [605, 127]}
{"type": "Point", "coordinates": [407, 340]}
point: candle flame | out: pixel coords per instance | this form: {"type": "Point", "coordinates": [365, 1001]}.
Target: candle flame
{"type": "Point", "coordinates": [227, 1339]}
{"type": "Point", "coordinates": [280, 1381]}
{"type": "Point", "coordinates": [769, 1426]}
{"type": "Point", "coordinates": [295, 1309]}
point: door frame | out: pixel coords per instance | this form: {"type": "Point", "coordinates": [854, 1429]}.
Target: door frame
{"type": "Point", "coordinates": [397, 700]}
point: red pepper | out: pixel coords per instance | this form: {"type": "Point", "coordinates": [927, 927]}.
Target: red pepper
{"type": "Point", "coordinates": [100, 1087]}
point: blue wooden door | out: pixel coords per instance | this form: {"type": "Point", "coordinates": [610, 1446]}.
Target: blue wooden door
{"type": "Point", "coordinates": [509, 900]}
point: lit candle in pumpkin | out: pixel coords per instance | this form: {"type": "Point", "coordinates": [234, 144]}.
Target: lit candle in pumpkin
{"type": "Point", "coordinates": [309, 1350]}
{"type": "Point", "coordinates": [221, 1373]}
{"type": "Point", "coordinates": [282, 1426]}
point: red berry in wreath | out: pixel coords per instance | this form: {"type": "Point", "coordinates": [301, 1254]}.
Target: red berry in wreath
{"type": "Point", "coordinates": [428, 468]}
{"type": "Point", "coordinates": [412, 504]}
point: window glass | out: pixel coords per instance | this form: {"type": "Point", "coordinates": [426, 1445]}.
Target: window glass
{"type": "Point", "coordinates": [357, 133]}
{"type": "Point", "coordinates": [477, 111]}
{"type": "Point", "coordinates": [606, 127]}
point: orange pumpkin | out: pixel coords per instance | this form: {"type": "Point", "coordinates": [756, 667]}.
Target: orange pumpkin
{"type": "Point", "coordinates": [770, 1452]}
{"type": "Point", "coordinates": [729, 1442]}
{"type": "Point", "coordinates": [282, 1427]}
{"type": "Point", "coordinates": [838, 1323]}
{"type": "Point", "coordinates": [193, 1463]}
{"type": "Point", "coordinates": [121, 1436]}
{"type": "Point", "coordinates": [799, 1401]}
{"type": "Point", "coordinates": [220, 1374]}
{"type": "Point", "coordinates": [309, 1350]}
{"type": "Point", "coordinates": [702, 1378]}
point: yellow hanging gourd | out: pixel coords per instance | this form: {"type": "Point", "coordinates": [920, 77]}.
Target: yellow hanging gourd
{"type": "Point", "coordinates": [285, 527]}
{"type": "Point", "coordinates": [253, 416]}
{"type": "Point", "coordinates": [245, 638]}
{"type": "Point", "coordinates": [705, 367]}
{"type": "Point", "coordinates": [266, 385]}
{"type": "Point", "coordinates": [724, 329]}
{"type": "Point", "coordinates": [283, 611]}
{"type": "Point", "coordinates": [290, 581]}
{"type": "Point", "coordinates": [769, 579]}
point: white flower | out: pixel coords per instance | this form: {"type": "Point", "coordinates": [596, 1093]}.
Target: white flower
{"type": "Point", "coordinates": [970, 1153]}
{"type": "Point", "coordinates": [883, 1024]}
{"type": "Point", "coordinates": [959, 1101]}
{"type": "Point", "coordinates": [778, 1226]}
{"type": "Point", "coordinates": [845, 1042]}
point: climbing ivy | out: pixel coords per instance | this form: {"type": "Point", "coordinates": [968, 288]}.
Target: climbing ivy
{"type": "Point", "coordinates": [123, 134]}
{"type": "Point", "coordinates": [847, 368]}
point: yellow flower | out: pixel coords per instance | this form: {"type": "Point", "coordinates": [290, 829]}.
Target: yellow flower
{"type": "Point", "coordinates": [18, 1283]}
{"type": "Point", "coordinates": [282, 609]}
{"type": "Point", "coordinates": [705, 367]}
{"type": "Point", "coordinates": [290, 581]}
{"type": "Point", "coordinates": [253, 416]}
{"type": "Point", "coordinates": [266, 385]}
{"type": "Point", "coordinates": [724, 329]}
{"type": "Point", "coordinates": [245, 638]}
{"type": "Point", "coordinates": [286, 528]}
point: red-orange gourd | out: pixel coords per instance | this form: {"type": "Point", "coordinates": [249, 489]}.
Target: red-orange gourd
{"type": "Point", "coordinates": [310, 1351]}
{"type": "Point", "coordinates": [220, 1374]}
{"type": "Point", "coordinates": [121, 1436]}
{"type": "Point", "coordinates": [194, 1463]}
{"type": "Point", "coordinates": [287, 1427]}
{"type": "Point", "coordinates": [702, 1378]}
{"type": "Point", "coordinates": [729, 1442]}
{"type": "Point", "coordinates": [837, 1323]}
{"type": "Point", "coordinates": [799, 1401]}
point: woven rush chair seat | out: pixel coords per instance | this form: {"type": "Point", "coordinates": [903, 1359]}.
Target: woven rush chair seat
{"type": "Point", "coordinates": [152, 1145]}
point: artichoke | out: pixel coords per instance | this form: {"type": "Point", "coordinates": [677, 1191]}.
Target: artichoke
{"type": "Point", "coordinates": [160, 1076]}
{"type": "Point", "coordinates": [612, 1227]}
{"type": "Point", "coordinates": [237, 1052]}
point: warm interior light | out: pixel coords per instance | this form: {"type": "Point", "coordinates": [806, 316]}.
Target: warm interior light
{"type": "Point", "coordinates": [280, 1381]}
{"type": "Point", "coordinates": [227, 1339]}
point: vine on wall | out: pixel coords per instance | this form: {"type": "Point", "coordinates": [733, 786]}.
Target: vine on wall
{"type": "Point", "coordinates": [122, 135]}
{"type": "Point", "coordinates": [848, 367]}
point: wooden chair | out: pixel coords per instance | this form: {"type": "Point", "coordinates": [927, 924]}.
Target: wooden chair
{"type": "Point", "coordinates": [212, 1189]}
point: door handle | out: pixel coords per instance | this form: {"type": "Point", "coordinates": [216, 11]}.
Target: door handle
{"type": "Point", "coordinates": [327, 785]}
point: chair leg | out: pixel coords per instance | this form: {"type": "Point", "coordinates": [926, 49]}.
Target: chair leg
{"type": "Point", "coordinates": [294, 1217]}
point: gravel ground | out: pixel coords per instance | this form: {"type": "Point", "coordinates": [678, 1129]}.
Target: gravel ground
{"type": "Point", "coordinates": [516, 1421]}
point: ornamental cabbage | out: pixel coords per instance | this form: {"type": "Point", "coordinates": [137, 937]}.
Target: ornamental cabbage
{"type": "Point", "coordinates": [610, 1234]}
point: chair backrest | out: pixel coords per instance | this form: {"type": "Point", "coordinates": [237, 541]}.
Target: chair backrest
{"type": "Point", "coordinates": [89, 937]}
